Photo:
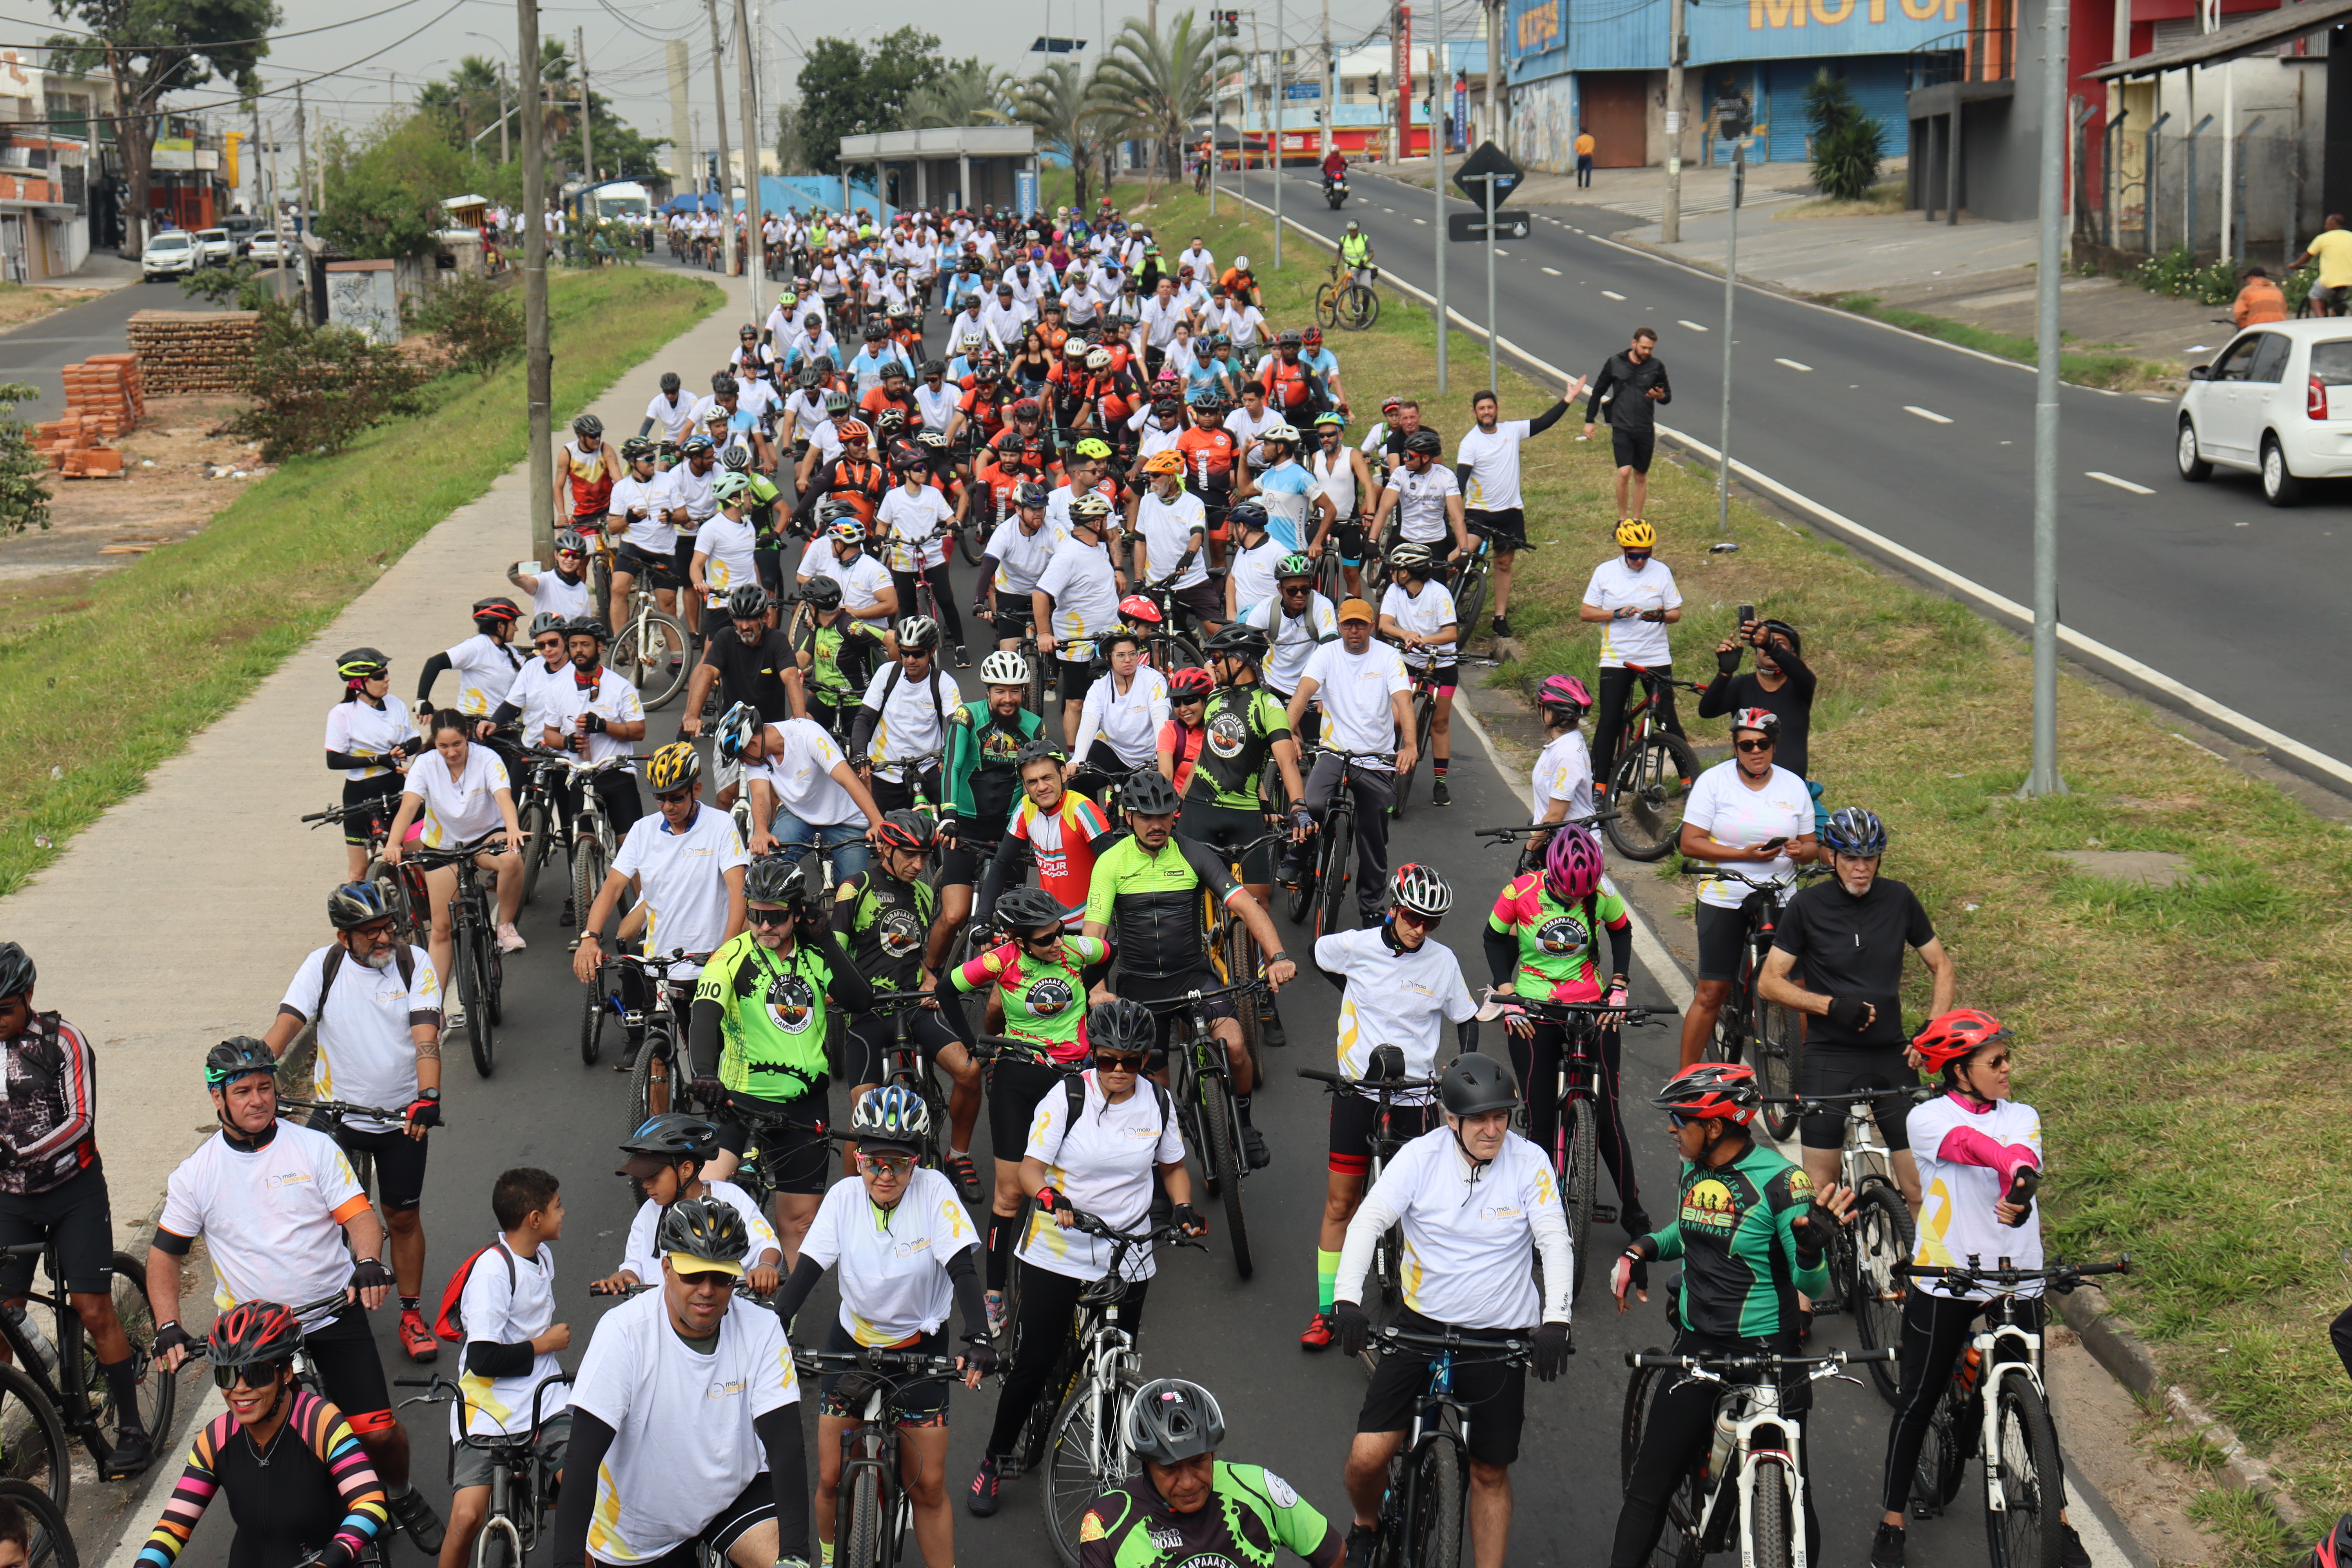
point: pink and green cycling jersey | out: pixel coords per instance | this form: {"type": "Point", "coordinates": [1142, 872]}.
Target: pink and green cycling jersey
{"type": "Point", "coordinates": [1045, 999]}
{"type": "Point", "coordinates": [1560, 957]}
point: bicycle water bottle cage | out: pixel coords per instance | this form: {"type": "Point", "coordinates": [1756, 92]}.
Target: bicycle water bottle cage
{"type": "Point", "coordinates": [1388, 1064]}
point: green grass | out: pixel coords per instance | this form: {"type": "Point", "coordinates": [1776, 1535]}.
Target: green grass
{"type": "Point", "coordinates": [93, 697]}
{"type": "Point", "coordinates": [1883, 201]}
{"type": "Point", "coordinates": [2115, 373]}
{"type": "Point", "coordinates": [2184, 1045]}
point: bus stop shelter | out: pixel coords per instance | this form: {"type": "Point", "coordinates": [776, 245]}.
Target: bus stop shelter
{"type": "Point", "coordinates": [950, 166]}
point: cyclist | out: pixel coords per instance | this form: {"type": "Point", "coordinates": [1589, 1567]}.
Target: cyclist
{"type": "Point", "coordinates": [1170, 530]}
{"type": "Point", "coordinates": [805, 796]}
{"type": "Point", "coordinates": [1562, 787]}
{"type": "Point", "coordinates": [486, 666]}
{"type": "Point", "coordinates": [1324, 366]}
{"type": "Point", "coordinates": [586, 468]}
{"type": "Point", "coordinates": [53, 1189]}
{"type": "Point", "coordinates": [636, 525]}
{"type": "Point", "coordinates": [671, 409]}
{"type": "Point", "coordinates": [1343, 478]}
{"type": "Point", "coordinates": [1543, 940]}
{"type": "Point", "coordinates": [981, 778]}
{"type": "Point", "coordinates": [369, 738]}
{"type": "Point", "coordinates": [838, 551]}
{"type": "Point", "coordinates": [596, 716]}
{"type": "Point", "coordinates": [1164, 1517]}
{"type": "Point", "coordinates": [1419, 616]}
{"type": "Point", "coordinates": [916, 519]}
{"type": "Point", "coordinates": [1478, 1205]}
{"type": "Point", "coordinates": [1075, 602]}
{"type": "Point", "coordinates": [1750, 1231]}
{"type": "Point", "coordinates": [758, 1038]}
{"type": "Point", "coordinates": [313, 1501]}
{"type": "Point", "coordinates": [284, 1219]}
{"type": "Point", "coordinates": [1849, 932]}
{"type": "Point", "coordinates": [526, 698]}
{"type": "Point", "coordinates": [902, 1246]}
{"type": "Point", "coordinates": [688, 499]}
{"type": "Point", "coordinates": [884, 918]}
{"type": "Point", "coordinates": [833, 650]}
{"type": "Point", "coordinates": [1367, 718]}
{"type": "Point", "coordinates": [1295, 620]}
{"type": "Point", "coordinates": [1355, 249]}
{"type": "Point", "coordinates": [900, 728]}
{"type": "Point", "coordinates": [1751, 812]}
{"type": "Point", "coordinates": [1297, 511]}
{"type": "Point", "coordinates": [1226, 744]}
{"type": "Point", "coordinates": [748, 666]}
{"type": "Point", "coordinates": [1054, 828]}
{"type": "Point", "coordinates": [1015, 556]}
{"type": "Point", "coordinates": [1634, 600]}
{"type": "Point", "coordinates": [380, 1044]}
{"type": "Point", "coordinates": [672, 1157]}
{"type": "Point", "coordinates": [1120, 720]}
{"type": "Point", "coordinates": [1780, 683]}
{"type": "Point", "coordinates": [463, 799]}
{"type": "Point", "coordinates": [1094, 1147]}
{"type": "Point", "coordinates": [1486, 463]}
{"type": "Point", "coordinates": [684, 1414]}
{"type": "Point", "coordinates": [724, 549]}
{"type": "Point", "coordinates": [1425, 499]}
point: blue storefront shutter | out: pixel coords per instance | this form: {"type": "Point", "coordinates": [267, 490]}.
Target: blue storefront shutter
{"type": "Point", "coordinates": [1882, 87]}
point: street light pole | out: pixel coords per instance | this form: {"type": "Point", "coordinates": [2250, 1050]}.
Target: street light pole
{"type": "Point", "coordinates": [1730, 294]}
{"type": "Point", "coordinates": [537, 366]}
{"type": "Point", "coordinates": [2044, 777]}
{"type": "Point", "coordinates": [1439, 76]}
{"type": "Point", "coordinates": [755, 246]}
{"type": "Point", "coordinates": [725, 176]}
{"type": "Point", "coordinates": [1669, 218]}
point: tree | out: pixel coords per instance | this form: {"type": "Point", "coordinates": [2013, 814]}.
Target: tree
{"type": "Point", "coordinates": [846, 91]}
{"type": "Point", "coordinates": [470, 101]}
{"type": "Point", "coordinates": [1848, 144]}
{"type": "Point", "coordinates": [1063, 103]}
{"type": "Point", "coordinates": [790, 157]}
{"type": "Point", "coordinates": [967, 93]}
{"type": "Point", "coordinates": [150, 48]}
{"type": "Point", "coordinates": [1165, 80]}
{"type": "Point", "coordinates": [386, 185]}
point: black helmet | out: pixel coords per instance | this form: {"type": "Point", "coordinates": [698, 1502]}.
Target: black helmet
{"type": "Point", "coordinates": [1169, 1420]}
{"type": "Point", "coordinates": [721, 383]}
{"type": "Point", "coordinates": [1121, 1024]}
{"type": "Point", "coordinates": [254, 1333]}
{"type": "Point", "coordinates": [673, 1136]}
{"type": "Point", "coordinates": [362, 664]}
{"type": "Point", "coordinates": [588, 626]}
{"type": "Point", "coordinates": [588, 424]}
{"type": "Point", "coordinates": [1248, 514]}
{"type": "Point", "coordinates": [935, 367]}
{"type": "Point", "coordinates": [670, 382]}
{"type": "Point", "coordinates": [821, 594]}
{"type": "Point", "coordinates": [637, 449]}
{"type": "Point", "coordinates": [748, 601]}
{"type": "Point", "coordinates": [356, 904]}
{"type": "Point", "coordinates": [1151, 794]}
{"type": "Point", "coordinates": [1424, 442]}
{"type": "Point", "coordinates": [876, 331]}
{"type": "Point", "coordinates": [1039, 749]}
{"type": "Point", "coordinates": [1475, 1084]}
{"type": "Point", "coordinates": [16, 975]}
{"type": "Point", "coordinates": [1028, 909]}
{"type": "Point", "coordinates": [1237, 641]}
{"type": "Point", "coordinates": [498, 608]}
{"type": "Point", "coordinates": [811, 378]}
{"type": "Point", "coordinates": [776, 880]}
{"type": "Point", "coordinates": [236, 1058]}
{"type": "Point", "coordinates": [707, 1230]}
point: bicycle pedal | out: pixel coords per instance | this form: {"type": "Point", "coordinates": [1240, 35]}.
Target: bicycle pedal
{"type": "Point", "coordinates": [1604, 1213]}
{"type": "Point", "coordinates": [633, 1020]}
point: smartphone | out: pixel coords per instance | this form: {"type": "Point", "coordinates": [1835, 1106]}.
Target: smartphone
{"type": "Point", "coordinates": [1747, 613]}
{"type": "Point", "coordinates": [1774, 843]}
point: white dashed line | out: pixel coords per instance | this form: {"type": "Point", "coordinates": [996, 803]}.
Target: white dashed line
{"type": "Point", "coordinates": [2120, 484]}
{"type": "Point", "coordinates": [1500, 251]}
{"type": "Point", "coordinates": [1694, 326]}
{"type": "Point", "coordinates": [1612, 293]}
{"type": "Point", "coordinates": [1793, 365]}
{"type": "Point", "coordinates": [1927, 413]}
{"type": "Point", "coordinates": [1554, 271]}
{"type": "Point", "coordinates": [1423, 221]}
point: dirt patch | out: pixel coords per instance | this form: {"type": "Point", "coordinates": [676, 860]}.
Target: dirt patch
{"type": "Point", "coordinates": [20, 303]}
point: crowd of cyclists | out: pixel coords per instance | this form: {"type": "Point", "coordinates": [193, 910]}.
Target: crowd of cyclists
{"type": "Point", "coordinates": [844, 834]}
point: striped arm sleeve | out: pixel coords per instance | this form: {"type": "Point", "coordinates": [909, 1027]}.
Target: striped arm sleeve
{"type": "Point", "coordinates": [197, 1486]}
{"type": "Point", "coordinates": [338, 1447]}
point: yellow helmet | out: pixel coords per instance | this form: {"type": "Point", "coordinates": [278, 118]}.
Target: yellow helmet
{"type": "Point", "coordinates": [1634, 534]}
{"type": "Point", "coordinates": [675, 766]}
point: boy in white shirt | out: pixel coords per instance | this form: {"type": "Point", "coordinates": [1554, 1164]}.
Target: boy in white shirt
{"type": "Point", "coordinates": [506, 1320]}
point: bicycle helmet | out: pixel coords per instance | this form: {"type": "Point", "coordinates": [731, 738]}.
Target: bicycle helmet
{"type": "Point", "coordinates": [1566, 694]}
{"type": "Point", "coordinates": [637, 449]}
{"type": "Point", "coordinates": [544, 621]}
{"type": "Point", "coordinates": [821, 594]}
{"type": "Point", "coordinates": [1039, 749]}
{"type": "Point", "coordinates": [736, 728]}
{"type": "Point", "coordinates": [1093, 446]}
{"type": "Point", "coordinates": [849, 430]}
{"type": "Point", "coordinates": [1763, 720]}
{"type": "Point", "coordinates": [570, 542]}
{"type": "Point", "coordinates": [1955, 1036]}
{"type": "Point", "coordinates": [917, 634]}
{"type": "Point", "coordinates": [352, 906]}
{"type": "Point", "coordinates": [892, 1116]}
{"type": "Point", "coordinates": [16, 972]}
{"type": "Point", "coordinates": [500, 610]}
{"type": "Point", "coordinates": [831, 511]}
{"type": "Point", "coordinates": [728, 487]}
{"type": "Point", "coordinates": [233, 1058]}
{"type": "Point", "coordinates": [1634, 534]}
{"type": "Point", "coordinates": [1091, 506]}
{"type": "Point", "coordinates": [1170, 1420]}
{"type": "Point", "coordinates": [1281, 430]}
{"type": "Point", "coordinates": [1098, 359]}
{"type": "Point", "coordinates": [1572, 864]}
{"type": "Point", "coordinates": [1005, 667]}
{"type": "Point", "coordinates": [1725, 1091]}
{"type": "Point", "coordinates": [1191, 684]}
{"type": "Point", "coordinates": [1411, 557]}
{"type": "Point", "coordinates": [736, 458]}
{"type": "Point", "coordinates": [588, 626]}
{"type": "Point", "coordinates": [722, 384]}
{"type": "Point", "coordinates": [1297, 564]}
{"type": "Point", "coordinates": [890, 421]}
{"type": "Point", "coordinates": [776, 880]}
{"type": "Point", "coordinates": [696, 447]}
{"type": "Point", "coordinates": [911, 831]}
{"type": "Point", "coordinates": [1121, 1024]}
{"type": "Point", "coordinates": [255, 1334]}
{"type": "Point", "coordinates": [837, 402]}
{"type": "Point", "coordinates": [1313, 337]}
{"type": "Point", "coordinates": [588, 424]}
{"type": "Point", "coordinates": [1027, 408]}
{"type": "Point", "coordinates": [747, 601]}
{"type": "Point", "coordinates": [1783, 629]}
{"type": "Point", "coordinates": [1248, 515]}
{"type": "Point", "coordinates": [673, 1136]}
{"type": "Point", "coordinates": [932, 367]}
{"type": "Point", "coordinates": [1238, 641]}
{"type": "Point", "coordinates": [931, 441]}
{"type": "Point", "coordinates": [1028, 909]}
{"type": "Point", "coordinates": [675, 766]}
{"type": "Point", "coordinates": [848, 529]}
{"type": "Point", "coordinates": [1151, 794]}
{"type": "Point", "coordinates": [1855, 830]}
{"type": "Point", "coordinates": [363, 664]}
{"type": "Point", "coordinates": [910, 457]}
{"type": "Point", "coordinates": [1164, 462]}
{"type": "Point", "coordinates": [1139, 610]}
{"type": "Point", "coordinates": [706, 1234]}
{"type": "Point", "coordinates": [1424, 442]}
{"type": "Point", "coordinates": [1330, 416]}
{"type": "Point", "coordinates": [811, 379]}
{"type": "Point", "coordinates": [670, 382]}
{"type": "Point", "coordinates": [1423, 889]}
{"type": "Point", "coordinates": [1475, 1084]}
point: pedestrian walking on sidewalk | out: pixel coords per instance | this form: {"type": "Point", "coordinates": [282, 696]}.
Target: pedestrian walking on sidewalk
{"type": "Point", "coordinates": [1584, 145]}
{"type": "Point", "coordinates": [1627, 394]}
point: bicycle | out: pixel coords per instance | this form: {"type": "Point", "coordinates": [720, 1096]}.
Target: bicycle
{"type": "Point", "coordinates": [49, 1543]}
{"type": "Point", "coordinates": [519, 1478]}
{"type": "Point", "coordinates": [874, 1514]}
{"type": "Point", "coordinates": [1752, 1482]}
{"type": "Point", "coordinates": [1166, 648]}
{"type": "Point", "coordinates": [1775, 1034]}
{"type": "Point", "coordinates": [1201, 1086]}
{"type": "Point", "coordinates": [1651, 776]}
{"type": "Point", "coordinates": [1425, 1508]}
{"type": "Point", "coordinates": [593, 842]}
{"type": "Point", "coordinates": [1866, 1254]}
{"type": "Point", "coordinates": [1385, 1080]}
{"type": "Point", "coordinates": [2011, 1432]}
{"type": "Point", "coordinates": [328, 1116]}
{"type": "Point", "coordinates": [388, 878]}
{"type": "Point", "coordinates": [1424, 720]}
{"type": "Point", "coordinates": [904, 1064]}
{"type": "Point", "coordinates": [473, 950]}
{"type": "Point", "coordinates": [653, 1079]}
{"type": "Point", "coordinates": [1344, 303]}
{"type": "Point", "coordinates": [55, 1377]}
{"type": "Point", "coordinates": [537, 813]}
{"type": "Point", "coordinates": [1323, 889]}
{"type": "Point", "coordinates": [654, 650]}
{"type": "Point", "coordinates": [1472, 577]}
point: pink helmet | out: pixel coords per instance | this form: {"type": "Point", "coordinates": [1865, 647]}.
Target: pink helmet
{"type": "Point", "coordinates": [1572, 865]}
{"type": "Point", "coordinates": [1565, 692]}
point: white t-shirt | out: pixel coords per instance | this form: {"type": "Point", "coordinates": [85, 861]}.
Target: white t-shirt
{"type": "Point", "coordinates": [649, 533]}
{"type": "Point", "coordinates": [1633, 641]}
{"type": "Point", "coordinates": [530, 692]}
{"type": "Point", "coordinates": [726, 543]}
{"type": "Point", "coordinates": [683, 1446]}
{"type": "Point", "coordinates": [920, 519]}
{"type": "Point", "coordinates": [1294, 638]}
{"type": "Point", "coordinates": [504, 1305]}
{"type": "Point", "coordinates": [682, 877]}
{"type": "Point", "coordinates": [863, 579]}
{"type": "Point", "coordinates": [673, 417]}
{"type": "Point", "coordinates": [1400, 999]}
{"type": "Point", "coordinates": [1085, 593]}
{"type": "Point", "coordinates": [801, 773]}
{"type": "Point", "coordinates": [1421, 613]}
{"type": "Point", "coordinates": [1127, 721]}
{"type": "Point", "coordinates": [1724, 808]}
{"type": "Point", "coordinates": [366, 1055]}
{"type": "Point", "coordinates": [272, 1220]}
{"type": "Point", "coordinates": [912, 713]}
{"type": "Point", "coordinates": [1104, 1166]}
{"type": "Point", "coordinates": [1421, 514]}
{"type": "Point", "coordinates": [892, 1268]}
{"type": "Point", "coordinates": [1167, 528]}
{"type": "Point", "coordinates": [1354, 690]}
{"type": "Point", "coordinates": [485, 667]}
{"type": "Point", "coordinates": [1955, 1215]}
{"type": "Point", "coordinates": [459, 810]}
{"type": "Point", "coordinates": [1251, 571]}
{"type": "Point", "coordinates": [1563, 771]}
{"type": "Point", "coordinates": [556, 597]}
{"type": "Point", "coordinates": [1246, 431]}
{"type": "Point", "coordinates": [359, 726]}
{"type": "Point", "coordinates": [683, 486]}
{"type": "Point", "coordinates": [1470, 1246]}
{"type": "Point", "coordinates": [1494, 460]}
{"type": "Point", "coordinates": [1022, 558]}
{"type": "Point", "coordinates": [643, 1259]}
{"type": "Point", "coordinates": [613, 699]}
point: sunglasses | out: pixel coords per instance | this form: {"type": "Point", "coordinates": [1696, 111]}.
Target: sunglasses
{"type": "Point", "coordinates": [1425, 923]}
{"type": "Point", "coordinates": [673, 797]}
{"type": "Point", "coordinates": [1042, 938]}
{"type": "Point", "coordinates": [885, 1165]}
{"type": "Point", "coordinates": [770, 917]}
{"type": "Point", "coordinates": [1637, 556]}
{"type": "Point", "coordinates": [567, 555]}
{"type": "Point", "coordinates": [710, 1279]}
{"type": "Point", "coordinates": [1754, 746]}
{"type": "Point", "coordinates": [1296, 587]}
{"type": "Point", "coordinates": [548, 645]}
{"type": "Point", "coordinates": [1120, 1061]}
{"type": "Point", "coordinates": [257, 1376]}
{"type": "Point", "coordinates": [381, 928]}
{"type": "Point", "coordinates": [1677, 1120]}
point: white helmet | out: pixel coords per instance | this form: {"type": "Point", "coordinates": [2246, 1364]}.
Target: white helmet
{"type": "Point", "coordinates": [1241, 264]}
{"type": "Point", "coordinates": [1280, 430]}
{"type": "Point", "coordinates": [1004, 667]}
{"type": "Point", "coordinates": [1421, 888]}
{"type": "Point", "coordinates": [1098, 359]}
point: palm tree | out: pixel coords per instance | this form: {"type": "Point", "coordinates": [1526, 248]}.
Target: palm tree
{"type": "Point", "coordinates": [968, 93]}
{"type": "Point", "coordinates": [1063, 102]}
{"type": "Point", "coordinates": [1166, 80]}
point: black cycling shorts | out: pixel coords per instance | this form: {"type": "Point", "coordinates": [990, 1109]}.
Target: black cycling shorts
{"type": "Point", "coordinates": [1848, 1069]}
{"type": "Point", "coordinates": [1229, 827]}
{"type": "Point", "coordinates": [1072, 676]}
{"type": "Point", "coordinates": [77, 1215]}
{"type": "Point", "coordinates": [795, 1154]}
{"type": "Point", "coordinates": [660, 571]}
{"type": "Point", "coordinates": [1508, 527]}
{"type": "Point", "coordinates": [923, 1403]}
{"type": "Point", "coordinates": [1204, 599]}
{"type": "Point", "coordinates": [960, 866]}
{"type": "Point", "coordinates": [1356, 1119]}
{"type": "Point", "coordinates": [399, 1164]}
{"type": "Point", "coordinates": [384, 787]}
{"type": "Point", "coordinates": [682, 563]}
{"type": "Point", "coordinates": [755, 1505]}
{"type": "Point", "coordinates": [874, 1035]}
{"type": "Point", "coordinates": [1140, 988]}
{"type": "Point", "coordinates": [1633, 447]}
{"type": "Point", "coordinates": [351, 1371]}
{"type": "Point", "coordinates": [1720, 933]}
{"type": "Point", "coordinates": [1494, 1393]}
{"type": "Point", "coordinates": [1016, 1087]}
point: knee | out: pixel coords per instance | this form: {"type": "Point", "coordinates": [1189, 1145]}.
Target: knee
{"type": "Point", "coordinates": [404, 1222]}
{"type": "Point", "coordinates": [926, 1487]}
{"type": "Point", "coordinates": [1710, 994]}
{"type": "Point", "coordinates": [1338, 1208]}
{"type": "Point", "coordinates": [1490, 1477]}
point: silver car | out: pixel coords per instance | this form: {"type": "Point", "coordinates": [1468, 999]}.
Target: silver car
{"type": "Point", "coordinates": [2276, 403]}
{"type": "Point", "coordinates": [217, 247]}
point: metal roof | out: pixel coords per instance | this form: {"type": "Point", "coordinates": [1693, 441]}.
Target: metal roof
{"type": "Point", "coordinates": [2262, 31]}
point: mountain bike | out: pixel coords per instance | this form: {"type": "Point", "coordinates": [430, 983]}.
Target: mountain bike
{"type": "Point", "coordinates": [593, 842]}
{"type": "Point", "coordinates": [49, 1543]}
{"type": "Point", "coordinates": [653, 650]}
{"type": "Point", "coordinates": [521, 1483]}
{"type": "Point", "coordinates": [1768, 1037]}
{"type": "Point", "coordinates": [1652, 774]}
{"type": "Point", "coordinates": [1343, 302]}
{"type": "Point", "coordinates": [873, 1516]}
{"type": "Point", "coordinates": [1995, 1409]}
{"type": "Point", "coordinates": [1424, 1512]}
{"type": "Point", "coordinates": [660, 1029]}
{"type": "Point", "coordinates": [1322, 889]}
{"type": "Point", "coordinates": [1748, 1491]}
{"type": "Point", "coordinates": [905, 1064]}
{"type": "Point", "coordinates": [1472, 575]}
{"type": "Point", "coordinates": [1233, 953]}
{"type": "Point", "coordinates": [1201, 1085]}
{"type": "Point", "coordinates": [1424, 720]}
{"type": "Point", "coordinates": [1166, 648]}
{"type": "Point", "coordinates": [473, 948]}
{"type": "Point", "coordinates": [389, 881]}
{"type": "Point", "coordinates": [1385, 1080]}
{"type": "Point", "coordinates": [328, 1116]}
{"type": "Point", "coordinates": [1866, 1254]}
{"type": "Point", "coordinates": [57, 1381]}
{"type": "Point", "coordinates": [538, 811]}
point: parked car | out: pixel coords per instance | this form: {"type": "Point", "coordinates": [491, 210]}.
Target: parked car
{"type": "Point", "coordinates": [167, 255]}
{"type": "Point", "coordinates": [2276, 403]}
{"type": "Point", "coordinates": [215, 247]}
{"type": "Point", "coordinates": [241, 228]}
{"type": "Point", "coordinates": [265, 250]}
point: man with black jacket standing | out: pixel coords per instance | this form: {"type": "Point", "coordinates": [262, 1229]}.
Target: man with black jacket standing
{"type": "Point", "coordinates": [1631, 385]}
{"type": "Point", "coordinates": [1486, 463]}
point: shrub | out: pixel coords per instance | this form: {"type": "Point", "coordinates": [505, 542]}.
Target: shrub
{"type": "Point", "coordinates": [315, 388]}
{"type": "Point", "coordinates": [2176, 273]}
{"type": "Point", "coordinates": [477, 320]}
{"type": "Point", "coordinates": [1848, 145]}
{"type": "Point", "coordinates": [239, 284]}
{"type": "Point", "coordinates": [23, 492]}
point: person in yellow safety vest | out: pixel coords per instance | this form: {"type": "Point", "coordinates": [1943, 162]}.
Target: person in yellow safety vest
{"type": "Point", "coordinates": [1356, 252]}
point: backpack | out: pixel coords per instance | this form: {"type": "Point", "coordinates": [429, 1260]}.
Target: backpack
{"type": "Point", "coordinates": [448, 1322]}
{"type": "Point", "coordinates": [403, 955]}
{"type": "Point", "coordinates": [1077, 1087]}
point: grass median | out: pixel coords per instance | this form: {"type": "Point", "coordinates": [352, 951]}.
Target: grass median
{"type": "Point", "coordinates": [2182, 1044]}
{"type": "Point", "coordinates": [2112, 373]}
{"type": "Point", "coordinates": [93, 697]}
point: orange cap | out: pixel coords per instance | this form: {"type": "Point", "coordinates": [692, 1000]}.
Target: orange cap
{"type": "Point", "coordinates": [1357, 610]}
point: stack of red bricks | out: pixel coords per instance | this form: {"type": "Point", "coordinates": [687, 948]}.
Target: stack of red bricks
{"type": "Point", "coordinates": [104, 400]}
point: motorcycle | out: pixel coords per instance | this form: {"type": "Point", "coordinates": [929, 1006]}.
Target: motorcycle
{"type": "Point", "coordinates": [1335, 193]}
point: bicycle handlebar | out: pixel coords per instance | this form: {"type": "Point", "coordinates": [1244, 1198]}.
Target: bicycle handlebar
{"type": "Point", "coordinates": [1529, 829]}
{"type": "Point", "coordinates": [430, 858]}
{"type": "Point", "coordinates": [1497, 1006]}
{"type": "Point", "coordinates": [1920, 1094]}
{"type": "Point", "coordinates": [451, 1393]}
{"type": "Point", "coordinates": [1165, 1003]}
{"type": "Point", "coordinates": [1340, 1081]}
{"type": "Point", "coordinates": [1508, 1345]}
{"type": "Point", "coordinates": [651, 962]}
{"type": "Point", "coordinates": [339, 1108]}
{"type": "Point", "coordinates": [912, 1363]}
{"type": "Point", "coordinates": [1755, 1362]}
{"type": "Point", "coordinates": [2063, 1274]}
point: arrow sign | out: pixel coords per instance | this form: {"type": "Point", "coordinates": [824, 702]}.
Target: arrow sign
{"type": "Point", "coordinates": [1473, 226]}
{"type": "Point", "coordinates": [1484, 160]}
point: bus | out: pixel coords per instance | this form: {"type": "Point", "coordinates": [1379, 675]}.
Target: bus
{"type": "Point", "coordinates": [619, 199]}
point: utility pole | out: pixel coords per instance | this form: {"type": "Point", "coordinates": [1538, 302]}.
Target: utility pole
{"type": "Point", "coordinates": [537, 365]}
{"type": "Point", "coordinates": [1730, 294]}
{"type": "Point", "coordinates": [2044, 777]}
{"type": "Point", "coordinates": [726, 179]}
{"type": "Point", "coordinates": [1493, 63]}
{"type": "Point", "coordinates": [1670, 219]}
{"type": "Point", "coordinates": [1331, 80]}
{"type": "Point", "coordinates": [277, 214]}
{"type": "Point", "coordinates": [254, 107]}
{"type": "Point", "coordinates": [1281, 90]}
{"type": "Point", "coordinates": [504, 155]}
{"type": "Point", "coordinates": [302, 200]}
{"type": "Point", "coordinates": [1439, 79]}
{"type": "Point", "coordinates": [755, 246]}
{"type": "Point", "coordinates": [587, 132]}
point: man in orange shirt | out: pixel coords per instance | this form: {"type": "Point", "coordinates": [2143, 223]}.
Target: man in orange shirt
{"type": "Point", "coordinates": [1584, 145]}
{"type": "Point", "coordinates": [1240, 283]}
{"type": "Point", "coordinates": [2259, 300]}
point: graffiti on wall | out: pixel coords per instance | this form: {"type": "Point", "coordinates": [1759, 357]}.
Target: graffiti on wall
{"type": "Point", "coordinates": [1543, 124]}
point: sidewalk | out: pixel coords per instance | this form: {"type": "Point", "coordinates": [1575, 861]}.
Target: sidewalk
{"type": "Point", "coordinates": [100, 269]}
{"type": "Point", "coordinates": [1639, 193]}
{"type": "Point", "coordinates": [215, 825]}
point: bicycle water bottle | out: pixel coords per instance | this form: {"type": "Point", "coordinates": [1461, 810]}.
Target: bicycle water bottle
{"type": "Point", "coordinates": [1727, 1434]}
{"type": "Point", "coordinates": [33, 1335]}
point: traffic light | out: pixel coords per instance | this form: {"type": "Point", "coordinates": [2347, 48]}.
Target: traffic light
{"type": "Point", "coordinates": [1228, 22]}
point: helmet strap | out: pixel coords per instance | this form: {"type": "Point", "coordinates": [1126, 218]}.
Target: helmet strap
{"type": "Point", "coordinates": [240, 1141]}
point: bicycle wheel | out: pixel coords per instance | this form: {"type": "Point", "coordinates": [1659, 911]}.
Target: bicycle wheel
{"type": "Point", "coordinates": [49, 1543]}
{"type": "Point", "coordinates": [1579, 1188]}
{"type": "Point", "coordinates": [1943, 1460]}
{"type": "Point", "coordinates": [591, 1022]}
{"type": "Point", "coordinates": [1647, 791]}
{"type": "Point", "coordinates": [650, 1079]}
{"type": "Point", "coordinates": [158, 1390]}
{"type": "Point", "coordinates": [480, 1032]}
{"type": "Point", "coordinates": [32, 1438]}
{"type": "Point", "coordinates": [857, 1524]}
{"type": "Point", "coordinates": [1434, 1539]}
{"type": "Point", "coordinates": [499, 1546]}
{"type": "Point", "coordinates": [1769, 1515]}
{"type": "Point", "coordinates": [1469, 599]}
{"type": "Point", "coordinates": [1678, 1542]}
{"type": "Point", "coordinates": [494, 974]}
{"type": "Point", "coordinates": [1223, 1155]}
{"type": "Point", "coordinates": [1331, 878]}
{"type": "Point", "coordinates": [538, 844]}
{"type": "Point", "coordinates": [1424, 720]}
{"type": "Point", "coordinates": [1360, 308]}
{"type": "Point", "coordinates": [652, 652]}
{"type": "Point", "coordinates": [2026, 1534]}
{"type": "Point", "coordinates": [1883, 1239]}
{"type": "Point", "coordinates": [588, 868]}
{"type": "Point", "coordinates": [1327, 305]}
{"type": "Point", "coordinates": [1073, 1480]}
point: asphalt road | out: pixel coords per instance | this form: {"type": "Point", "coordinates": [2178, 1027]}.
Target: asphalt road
{"type": "Point", "coordinates": [35, 351]}
{"type": "Point", "coordinates": [1928, 445]}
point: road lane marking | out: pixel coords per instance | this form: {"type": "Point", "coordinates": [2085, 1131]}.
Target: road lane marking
{"type": "Point", "coordinates": [1500, 251]}
{"type": "Point", "coordinates": [1927, 414]}
{"type": "Point", "coordinates": [1553, 270]}
{"type": "Point", "coordinates": [1612, 293]}
{"type": "Point", "coordinates": [2120, 484]}
{"type": "Point", "coordinates": [1694, 326]}
{"type": "Point", "coordinates": [1423, 221]}
{"type": "Point", "coordinates": [1793, 365]}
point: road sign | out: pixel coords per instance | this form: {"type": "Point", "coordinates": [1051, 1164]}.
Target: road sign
{"type": "Point", "coordinates": [1303, 89]}
{"type": "Point", "coordinates": [1488, 158]}
{"type": "Point", "coordinates": [1473, 226]}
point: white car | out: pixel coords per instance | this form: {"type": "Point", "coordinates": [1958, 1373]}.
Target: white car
{"type": "Point", "coordinates": [265, 250]}
{"type": "Point", "coordinates": [2276, 403]}
{"type": "Point", "coordinates": [167, 255]}
{"type": "Point", "coordinates": [217, 246]}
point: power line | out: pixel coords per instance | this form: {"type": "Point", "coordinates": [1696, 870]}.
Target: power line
{"type": "Point", "coordinates": [228, 43]}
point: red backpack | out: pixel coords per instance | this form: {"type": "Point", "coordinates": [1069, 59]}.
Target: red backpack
{"type": "Point", "coordinates": [448, 1322]}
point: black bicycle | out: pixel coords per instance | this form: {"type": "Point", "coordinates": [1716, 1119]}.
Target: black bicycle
{"type": "Point", "coordinates": [904, 1064]}
{"type": "Point", "coordinates": [657, 1081]}
{"type": "Point", "coordinates": [1201, 1084]}
{"type": "Point", "coordinates": [409, 925]}
{"type": "Point", "coordinates": [47, 1542]}
{"type": "Point", "coordinates": [1652, 777]}
{"type": "Point", "coordinates": [1322, 889]}
{"type": "Point", "coordinates": [473, 949]}
{"type": "Point", "coordinates": [56, 1382]}
{"type": "Point", "coordinates": [873, 1514]}
{"type": "Point", "coordinates": [1424, 1512]}
{"type": "Point", "coordinates": [1386, 1081]}
{"type": "Point", "coordinates": [328, 1116]}
{"type": "Point", "coordinates": [1768, 1037]}
{"type": "Point", "coordinates": [522, 1482]}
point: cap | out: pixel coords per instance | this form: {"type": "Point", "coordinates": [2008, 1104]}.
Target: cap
{"type": "Point", "coordinates": [689, 1263]}
{"type": "Point", "coordinates": [1354, 610]}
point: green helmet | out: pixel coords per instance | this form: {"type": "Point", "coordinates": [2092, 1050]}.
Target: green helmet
{"type": "Point", "coordinates": [1294, 564]}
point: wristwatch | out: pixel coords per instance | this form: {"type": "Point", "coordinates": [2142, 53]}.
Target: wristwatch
{"type": "Point", "coordinates": [1278, 958]}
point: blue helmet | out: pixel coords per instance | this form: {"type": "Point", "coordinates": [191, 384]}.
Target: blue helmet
{"type": "Point", "coordinates": [1855, 830]}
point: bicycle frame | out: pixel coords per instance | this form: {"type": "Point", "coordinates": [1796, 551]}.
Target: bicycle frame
{"type": "Point", "coordinates": [517, 1469]}
{"type": "Point", "coordinates": [871, 1447]}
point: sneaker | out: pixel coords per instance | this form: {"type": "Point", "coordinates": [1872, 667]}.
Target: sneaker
{"type": "Point", "coordinates": [1285, 877]}
{"type": "Point", "coordinates": [1362, 1539]}
{"type": "Point", "coordinates": [963, 659]}
{"type": "Point", "coordinates": [2071, 1552]}
{"type": "Point", "coordinates": [1320, 1331]}
{"type": "Point", "coordinates": [985, 1483]}
{"type": "Point", "coordinates": [1254, 1149]}
{"type": "Point", "coordinates": [1502, 627]}
{"type": "Point", "coordinates": [416, 1339]}
{"type": "Point", "coordinates": [132, 1452]}
{"type": "Point", "coordinates": [965, 1176]}
{"type": "Point", "coordinates": [998, 1317]}
{"type": "Point", "coordinates": [417, 1517]}
{"type": "Point", "coordinates": [510, 939]}
{"type": "Point", "coordinates": [1439, 795]}
{"type": "Point", "coordinates": [1886, 1547]}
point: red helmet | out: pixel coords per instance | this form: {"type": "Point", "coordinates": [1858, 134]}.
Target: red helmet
{"type": "Point", "coordinates": [1725, 1091]}
{"type": "Point", "coordinates": [1140, 611]}
{"type": "Point", "coordinates": [254, 1333]}
{"type": "Point", "coordinates": [1956, 1035]}
{"type": "Point", "coordinates": [1191, 684]}
{"type": "Point", "coordinates": [1565, 692]}
{"type": "Point", "coordinates": [1026, 409]}
{"type": "Point", "coordinates": [1312, 337]}
{"type": "Point", "coordinates": [908, 830]}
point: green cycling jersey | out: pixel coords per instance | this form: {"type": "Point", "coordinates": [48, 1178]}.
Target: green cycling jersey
{"type": "Point", "coordinates": [1238, 732]}
{"type": "Point", "coordinates": [1735, 1234]}
{"type": "Point", "coordinates": [762, 1015]}
{"type": "Point", "coordinates": [1251, 1513]}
